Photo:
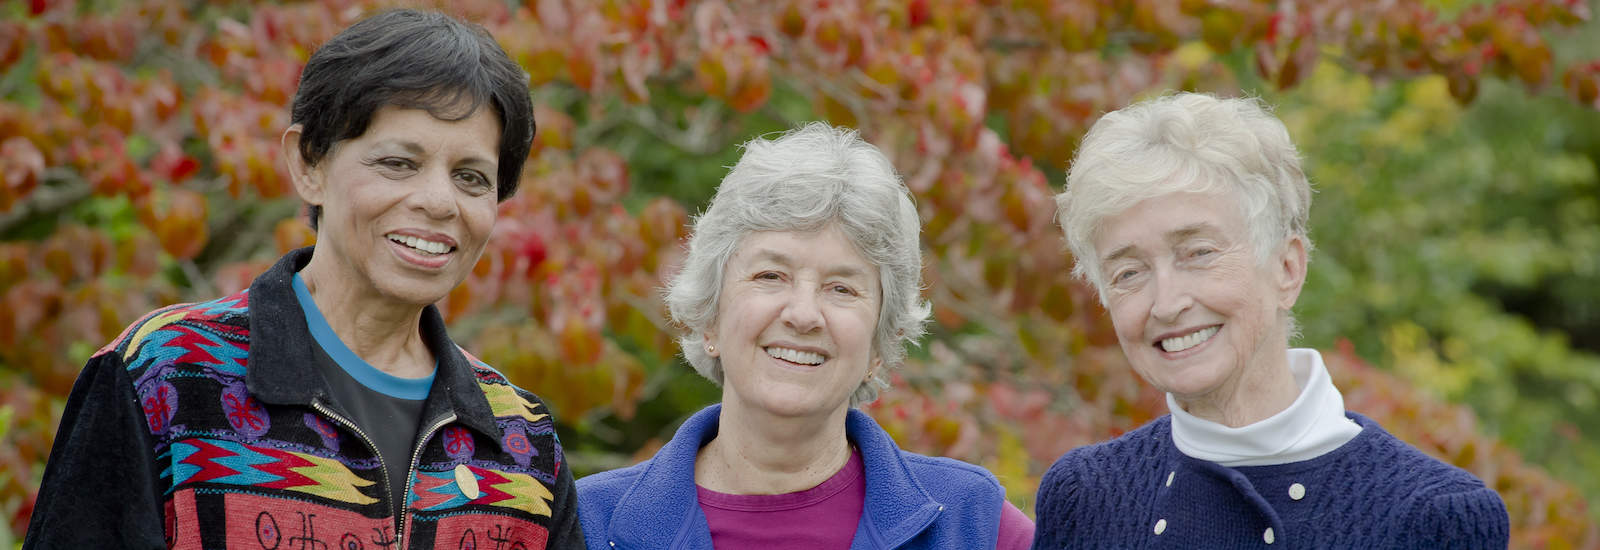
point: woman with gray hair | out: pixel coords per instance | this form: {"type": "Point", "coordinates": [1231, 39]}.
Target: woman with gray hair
{"type": "Point", "coordinates": [799, 293]}
{"type": "Point", "coordinates": [1188, 214]}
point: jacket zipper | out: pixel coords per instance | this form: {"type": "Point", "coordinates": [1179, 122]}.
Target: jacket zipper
{"type": "Point", "coordinates": [317, 404]}
{"type": "Point", "coordinates": [422, 439]}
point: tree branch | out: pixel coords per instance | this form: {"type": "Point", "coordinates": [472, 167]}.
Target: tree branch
{"type": "Point", "coordinates": [63, 189]}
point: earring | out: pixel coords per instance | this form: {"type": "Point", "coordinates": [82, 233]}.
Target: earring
{"type": "Point", "coordinates": [711, 349]}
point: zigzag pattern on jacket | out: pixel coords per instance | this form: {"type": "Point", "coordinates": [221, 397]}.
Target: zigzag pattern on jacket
{"type": "Point", "coordinates": [217, 461]}
{"type": "Point", "coordinates": [233, 444]}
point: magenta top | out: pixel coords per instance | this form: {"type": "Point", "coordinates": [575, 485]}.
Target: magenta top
{"type": "Point", "coordinates": [825, 516]}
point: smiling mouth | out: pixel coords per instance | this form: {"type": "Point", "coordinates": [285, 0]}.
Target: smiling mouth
{"type": "Point", "coordinates": [795, 356]}
{"type": "Point", "coordinates": [1180, 343]}
{"type": "Point", "coordinates": [421, 245]}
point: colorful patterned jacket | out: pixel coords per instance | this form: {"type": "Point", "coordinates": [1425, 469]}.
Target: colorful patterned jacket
{"type": "Point", "coordinates": [208, 426]}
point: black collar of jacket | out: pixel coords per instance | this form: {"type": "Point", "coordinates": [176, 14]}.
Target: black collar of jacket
{"type": "Point", "coordinates": [282, 368]}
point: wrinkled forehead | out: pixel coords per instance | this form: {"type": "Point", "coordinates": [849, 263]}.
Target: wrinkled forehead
{"type": "Point", "coordinates": [1171, 216]}
{"type": "Point", "coordinates": [828, 248]}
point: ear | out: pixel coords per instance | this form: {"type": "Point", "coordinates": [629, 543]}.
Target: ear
{"type": "Point", "coordinates": [877, 363]}
{"type": "Point", "coordinates": [1291, 271]}
{"type": "Point", "coordinates": [307, 182]}
{"type": "Point", "coordinates": [709, 340]}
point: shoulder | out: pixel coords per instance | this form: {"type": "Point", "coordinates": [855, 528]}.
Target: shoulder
{"type": "Point", "coordinates": [505, 399]}
{"type": "Point", "coordinates": [1460, 518]}
{"type": "Point", "coordinates": [942, 477]}
{"type": "Point", "coordinates": [1404, 465]}
{"type": "Point", "coordinates": [948, 475]}
{"type": "Point", "coordinates": [602, 490]}
{"type": "Point", "coordinates": [216, 332]}
{"type": "Point", "coordinates": [1104, 468]}
{"type": "Point", "coordinates": [1113, 457]}
{"type": "Point", "coordinates": [1447, 507]}
{"type": "Point", "coordinates": [598, 495]}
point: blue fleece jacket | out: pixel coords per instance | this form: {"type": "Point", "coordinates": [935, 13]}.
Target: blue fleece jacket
{"type": "Point", "coordinates": [912, 501]}
{"type": "Point", "coordinates": [1375, 491]}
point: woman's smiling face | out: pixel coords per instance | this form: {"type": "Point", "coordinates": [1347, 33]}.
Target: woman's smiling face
{"type": "Point", "coordinates": [795, 322]}
{"type": "Point", "coordinates": [408, 206]}
{"type": "Point", "coordinates": [1194, 309]}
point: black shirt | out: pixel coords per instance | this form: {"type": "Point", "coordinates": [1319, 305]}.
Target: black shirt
{"type": "Point", "coordinates": [385, 407]}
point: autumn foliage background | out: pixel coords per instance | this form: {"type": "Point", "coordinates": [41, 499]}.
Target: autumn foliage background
{"type": "Point", "coordinates": [1455, 290]}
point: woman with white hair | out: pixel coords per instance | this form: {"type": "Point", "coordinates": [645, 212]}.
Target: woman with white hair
{"type": "Point", "coordinates": [1188, 214]}
{"type": "Point", "coordinates": [799, 293]}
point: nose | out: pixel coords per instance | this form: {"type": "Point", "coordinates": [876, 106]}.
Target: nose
{"type": "Point", "coordinates": [434, 194]}
{"type": "Point", "coordinates": [1170, 297]}
{"type": "Point", "coordinates": [802, 313]}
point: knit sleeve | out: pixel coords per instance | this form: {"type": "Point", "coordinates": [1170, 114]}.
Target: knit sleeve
{"type": "Point", "coordinates": [1056, 505]}
{"type": "Point", "coordinates": [1472, 519]}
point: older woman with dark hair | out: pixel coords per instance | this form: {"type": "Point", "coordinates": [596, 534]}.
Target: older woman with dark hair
{"type": "Point", "coordinates": [799, 293]}
{"type": "Point", "coordinates": [326, 406]}
{"type": "Point", "coordinates": [1188, 214]}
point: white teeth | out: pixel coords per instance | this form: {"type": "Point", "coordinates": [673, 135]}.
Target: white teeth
{"type": "Point", "coordinates": [795, 356]}
{"type": "Point", "coordinates": [419, 243]}
{"type": "Point", "coordinates": [1191, 340]}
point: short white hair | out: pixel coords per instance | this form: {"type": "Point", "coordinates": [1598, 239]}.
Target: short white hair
{"type": "Point", "coordinates": [806, 180]}
{"type": "Point", "coordinates": [1185, 143]}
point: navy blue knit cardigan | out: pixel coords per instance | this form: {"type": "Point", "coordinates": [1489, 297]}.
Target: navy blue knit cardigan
{"type": "Point", "coordinates": [1375, 491]}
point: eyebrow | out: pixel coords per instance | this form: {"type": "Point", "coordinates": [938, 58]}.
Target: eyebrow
{"type": "Point", "coordinates": [1189, 231]}
{"type": "Point", "coordinates": [1119, 253]}
{"type": "Point", "coordinates": [842, 271]}
{"type": "Point", "coordinates": [1175, 236]}
{"type": "Point", "coordinates": [414, 148]}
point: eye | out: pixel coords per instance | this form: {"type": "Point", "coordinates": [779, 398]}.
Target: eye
{"type": "Point", "coordinates": [1123, 275]}
{"type": "Point", "coordinates": [844, 290]}
{"type": "Point", "coordinates": [1202, 251]}
{"type": "Point", "coordinates": [396, 163]}
{"type": "Point", "coordinates": [475, 181]}
{"type": "Point", "coordinates": [768, 276]}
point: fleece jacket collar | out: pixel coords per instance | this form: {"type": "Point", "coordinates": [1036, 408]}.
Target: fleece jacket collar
{"type": "Point", "coordinates": [282, 354]}
{"type": "Point", "coordinates": [661, 505]}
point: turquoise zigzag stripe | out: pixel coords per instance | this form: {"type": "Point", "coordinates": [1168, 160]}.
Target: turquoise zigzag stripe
{"type": "Point", "coordinates": [242, 461]}
{"type": "Point", "coordinates": [448, 489]}
{"type": "Point", "coordinates": [219, 306]}
{"type": "Point", "coordinates": [162, 346]}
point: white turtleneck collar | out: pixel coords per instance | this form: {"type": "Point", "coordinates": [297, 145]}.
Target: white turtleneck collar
{"type": "Point", "coordinates": [1312, 426]}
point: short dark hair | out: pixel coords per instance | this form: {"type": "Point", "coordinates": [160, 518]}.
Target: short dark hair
{"type": "Point", "coordinates": [417, 60]}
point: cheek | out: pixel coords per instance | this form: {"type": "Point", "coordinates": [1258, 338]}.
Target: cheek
{"type": "Point", "coordinates": [479, 221]}
{"type": "Point", "coordinates": [738, 315]}
{"type": "Point", "coordinates": [851, 330]}
{"type": "Point", "coordinates": [1127, 316]}
{"type": "Point", "coordinates": [481, 213]}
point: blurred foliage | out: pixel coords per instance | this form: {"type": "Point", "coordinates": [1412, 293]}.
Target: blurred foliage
{"type": "Point", "coordinates": [138, 150]}
{"type": "Point", "coordinates": [1473, 266]}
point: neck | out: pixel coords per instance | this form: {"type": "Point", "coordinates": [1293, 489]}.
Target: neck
{"type": "Point", "coordinates": [1259, 391]}
{"type": "Point", "coordinates": [384, 333]}
{"type": "Point", "coordinates": [756, 453]}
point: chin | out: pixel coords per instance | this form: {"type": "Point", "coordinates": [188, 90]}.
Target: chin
{"type": "Point", "coordinates": [1189, 380]}
{"type": "Point", "coordinates": [418, 293]}
{"type": "Point", "coordinates": [779, 406]}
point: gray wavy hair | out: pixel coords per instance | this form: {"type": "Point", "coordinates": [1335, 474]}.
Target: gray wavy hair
{"type": "Point", "coordinates": [805, 180]}
{"type": "Point", "coordinates": [1185, 142]}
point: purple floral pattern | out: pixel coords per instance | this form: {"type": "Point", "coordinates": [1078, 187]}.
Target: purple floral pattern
{"type": "Point", "coordinates": [244, 413]}
{"type": "Point", "coordinates": [458, 443]}
{"type": "Point", "coordinates": [516, 442]}
{"type": "Point", "coordinates": [324, 429]}
{"type": "Point", "coordinates": [160, 402]}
